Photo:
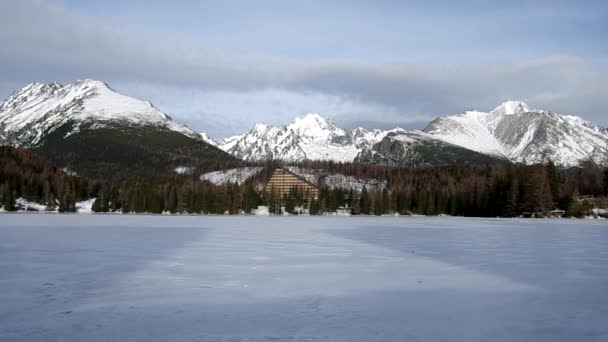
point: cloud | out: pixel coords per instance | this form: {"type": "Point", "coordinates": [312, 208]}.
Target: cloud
{"type": "Point", "coordinates": [221, 113]}
{"type": "Point", "coordinates": [43, 40]}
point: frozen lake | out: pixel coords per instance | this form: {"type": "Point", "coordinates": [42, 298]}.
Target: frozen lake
{"type": "Point", "coordinates": [161, 278]}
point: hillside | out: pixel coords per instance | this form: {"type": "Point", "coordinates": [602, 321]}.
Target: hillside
{"type": "Point", "coordinates": [522, 134]}
{"type": "Point", "coordinates": [419, 148]}
{"type": "Point", "coordinates": [93, 131]}
{"type": "Point", "coordinates": [25, 176]}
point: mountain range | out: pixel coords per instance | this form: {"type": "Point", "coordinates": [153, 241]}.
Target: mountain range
{"type": "Point", "coordinates": [513, 132]}
{"type": "Point", "coordinates": [89, 127]}
{"type": "Point", "coordinates": [311, 137]}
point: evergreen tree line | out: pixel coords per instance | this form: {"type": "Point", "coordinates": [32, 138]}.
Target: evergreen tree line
{"type": "Point", "coordinates": [193, 197]}
{"type": "Point", "coordinates": [503, 190]}
{"type": "Point", "coordinates": [497, 190]}
{"type": "Point", "coordinates": [24, 174]}
{"type": "Point", "coordinates": [482, 190]}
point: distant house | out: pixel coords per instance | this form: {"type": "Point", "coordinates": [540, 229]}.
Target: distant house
{"type": "Point", "coordinates": [284, 182]}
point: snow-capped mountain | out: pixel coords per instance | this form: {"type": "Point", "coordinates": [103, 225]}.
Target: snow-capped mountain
{"type": "Point", "coordinates": [38, 109]}
{"type": "Point", "coordinates": [89, 111]}
{"type": "Point", "coordinates": [265, 142]}
{"type": "Point", "coordinates": [522, 134]}
{"type": "Point", "coordinates": [420, 148]}
{"type": "Point", "coordinates": [209, 140]}
{"type": "Point", "coordinates": [98, 133]}
{"type": "Point", "coordinates": [311, 137]}
{"type": "Point", "coordinates": [513, 131]}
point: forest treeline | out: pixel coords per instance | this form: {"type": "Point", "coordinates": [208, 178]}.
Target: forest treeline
{"type": "Point", "coordinates": [25, 174]}
{"type": "Point", "coordinates": [463, 190]}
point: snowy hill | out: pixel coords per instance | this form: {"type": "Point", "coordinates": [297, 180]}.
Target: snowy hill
{"type": "Point", "coordinates": [38, 109]}
{"type": "Point", "coordinates": [98, 133]}
{"type": "Point", "coordinates": [337, 180]}
{"type": "Point", "coordinates": [311, 137]}
{"type": "Point", "coordinates": [520, 133]}
{"type": "Point", "coordinates": [420, 148]}
{"type": "Point", "coordinates": [236, 175]}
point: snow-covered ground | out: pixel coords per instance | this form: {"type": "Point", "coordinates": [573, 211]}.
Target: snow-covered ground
{"type": "Point", "coordinates": [338, 180]}
{"type": "Point", "coordinates": [22, 205]}
{"type": "Point", "coordinates": [192, 278]}
{"type": "Point", "coordinates": [238, 175]}
{"type": "Point", "coordinates": [182, 170]}
{"type": "Point", "coordinates": [85, 206]}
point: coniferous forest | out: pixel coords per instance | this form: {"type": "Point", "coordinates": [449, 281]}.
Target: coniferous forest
{"type": "Point", "coordinates": [493, 190]}
{"type": "Point", "coordinates": [25, 174]}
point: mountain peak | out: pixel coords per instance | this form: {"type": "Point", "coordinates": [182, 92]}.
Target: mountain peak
{"type": "Point", "coordinates": [91, 83]}
{"type": "Point", "coordinates": [206, 138]}
{"type": "Point", "coordinates": [311, 119]}
{"type": "Point", "coordinates": [512, 107]}
{"type": "Point", "coordinates": [260, 127]}
{"type": "Point", "coordinates": [311, 122]}
{"type": "Point", "coordinates": [38, 109]}
{"type": "Point", "coordinates": [312, 116]}
{"type": "Point", "coordinates": [34, 89]}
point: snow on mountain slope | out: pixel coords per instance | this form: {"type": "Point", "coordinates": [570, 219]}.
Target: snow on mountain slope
{"type": "Point", "coordinates": [513, 131]}
{"type": "Point", "coordinates": [314, 128]}
{"type": "Point", "coordinates": [38, 109]}
{"type": "Point", "coordinates": [513, 107]}
{"type": "Point", "coordinates": [469, 130]}
{"type": "Point", "coordinates": [311, 137]}
{"type": "Point", "coordinates": [265, 142]}
{"type": "Point", "coordinates": [338, 180]}
{"type": "Point", "coordinates": [536, 137]}
{"type": "Point", "coordinates": [420, 148]}
{"type": "Point", "coordinates": [520, 133]}
{"type": "Point", "coordinates": [238, 175]}
{"type": "Point", "coordinates": [364, 139]}
{"type": "Point", "coordinates": [206, 138]}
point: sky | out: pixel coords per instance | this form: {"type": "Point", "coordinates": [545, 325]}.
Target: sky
{"type": "Point", "coordinates": [222, 66]}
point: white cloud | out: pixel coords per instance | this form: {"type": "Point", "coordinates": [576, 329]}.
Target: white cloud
{"type": "Point", "coordinates": [48, 41]}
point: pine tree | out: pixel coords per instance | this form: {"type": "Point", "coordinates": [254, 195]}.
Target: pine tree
{"type": "Point", "coordinates": [8, 202]}
{"type": "Point", "coordinates": [605, 182]}
{"type": "Point", "coordinates": [171, 202]}
{"type": "Point", "coordinates": [289, 203]}
{"type": "Point", "coordinates": [430, 208]}
{"type": "Point", "coordinates": [553, 180]}
{"type": "Point", "coordinates": [355, 204]}
{"type": "Point", "coordinates": [383, 204]}
{"type": "Point", "coordinates": [274, 205]}
{"type": "Point", "coordinates": [98, 206]}
{"type": "Point", "coordinates": [114, 199]}
{"type": "Point", "coordinates": [314, 207]}
{"type": "Point", "coordinates": [512, 196]}
{"type": "Point", "coordinates": [364, 202]}
{"type": "Point", "coordinates": [252, 199]}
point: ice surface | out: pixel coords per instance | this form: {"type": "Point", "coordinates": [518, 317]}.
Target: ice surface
{"type": "Point", "coordinates": [193, 278]}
